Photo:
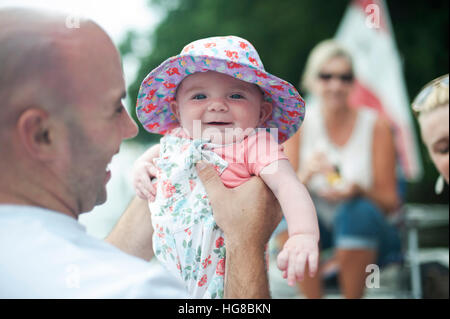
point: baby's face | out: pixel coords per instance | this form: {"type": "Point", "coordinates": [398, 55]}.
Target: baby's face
{"type": "Point", "coordinates": [216, 106]}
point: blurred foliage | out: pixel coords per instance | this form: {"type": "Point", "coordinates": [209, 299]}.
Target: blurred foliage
{"type": "Point", "coordinates": [285, 31]}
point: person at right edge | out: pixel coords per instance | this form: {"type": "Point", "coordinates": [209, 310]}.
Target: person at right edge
{"type": "Point", "coordinates": [346, 158]}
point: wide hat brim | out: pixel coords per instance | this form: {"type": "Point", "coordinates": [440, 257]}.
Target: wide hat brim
{"type": "Point", "coordinates": [159, 87]}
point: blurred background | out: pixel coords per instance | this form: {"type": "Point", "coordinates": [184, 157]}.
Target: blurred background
{"type": "Point", "coordinates": [284, 32]}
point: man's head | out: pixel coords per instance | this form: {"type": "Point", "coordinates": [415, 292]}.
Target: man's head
{"type": "Point", "coordinates": [61, 116]}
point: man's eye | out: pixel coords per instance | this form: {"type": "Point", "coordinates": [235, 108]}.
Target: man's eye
{"type": "Point", "coordinates": [236, 96]}
{"type": "Point", "coordinates": [199, 97]}
{"type": "Point", "coordinates": [120, 109]}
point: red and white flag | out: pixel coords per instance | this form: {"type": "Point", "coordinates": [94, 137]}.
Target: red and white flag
{"type": "Point", "coordinates": [367, 33]}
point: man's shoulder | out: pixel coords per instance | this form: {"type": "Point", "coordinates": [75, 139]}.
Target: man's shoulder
{"type": "Point", "coordinates": [56, 257]}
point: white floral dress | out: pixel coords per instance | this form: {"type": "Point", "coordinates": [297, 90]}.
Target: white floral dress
{"type": "Point", "coordinates": [186, 238]}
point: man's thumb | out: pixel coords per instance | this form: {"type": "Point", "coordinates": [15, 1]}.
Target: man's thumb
{"type": "Point", "coordinates": [210, 179]}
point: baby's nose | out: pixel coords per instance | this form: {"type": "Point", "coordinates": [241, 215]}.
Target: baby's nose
{"type": "Point", "coordinates": [217, 106]}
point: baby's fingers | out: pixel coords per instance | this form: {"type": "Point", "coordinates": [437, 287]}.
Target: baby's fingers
{"type": "Point", "coordinates": [141, 194]}
{"type": "Point", "coordinates": [313, 263]}
{"type": "Point", "coordinates": [146, 190]}
{"type": "Point", "coordinates": [291, 273]}
{"type": "Point", "coordinates": [146, 185]}
{"type": "Point", "coordinates": [300, 264]}
{"type": "Point", "coordinates": [151, 169]}
{"type": "Point", "coordinates": [282, 260]}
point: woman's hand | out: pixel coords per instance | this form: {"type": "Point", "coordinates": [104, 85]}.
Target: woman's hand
{"type": "Point", "coordinates": [316, 164]}
{"type": "Point", "coordinates": [337, 195]}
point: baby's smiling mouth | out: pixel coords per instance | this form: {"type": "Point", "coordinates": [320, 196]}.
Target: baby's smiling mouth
{"type": "Point", "coordinates": [218, 123]}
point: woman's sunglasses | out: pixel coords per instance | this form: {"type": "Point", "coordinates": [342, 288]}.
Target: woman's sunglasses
{"type": "Point", "coordinates": [345, 77]}
{"type": "Point", "coordinates": [423, 95]}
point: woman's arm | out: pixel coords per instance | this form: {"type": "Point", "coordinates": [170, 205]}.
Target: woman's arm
{"type": "Point", "coordinates": [317, 163]}
{"type": "Point", "coordinates": [384, 189]}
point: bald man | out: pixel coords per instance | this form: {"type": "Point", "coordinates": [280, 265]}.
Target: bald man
{"type": "Point", "coordinates": [61, 122]}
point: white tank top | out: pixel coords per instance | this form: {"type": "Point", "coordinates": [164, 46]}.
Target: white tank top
{"type": "Point", "coordinates": [354, 159]}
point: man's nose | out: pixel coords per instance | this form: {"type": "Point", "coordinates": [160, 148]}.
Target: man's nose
{"type": "Point", "coordinates": [218, 106]}
{"type": "Point", "coordinates": [130, 128]}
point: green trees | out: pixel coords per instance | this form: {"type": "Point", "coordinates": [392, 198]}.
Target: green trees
{"type": "Point", "coordinates": [285, 31]}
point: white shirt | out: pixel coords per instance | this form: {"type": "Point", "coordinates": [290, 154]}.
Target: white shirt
{"type": "Point", "coordinates": [46, 254]}
{"type": "Point", "coordinates": [354, 159]}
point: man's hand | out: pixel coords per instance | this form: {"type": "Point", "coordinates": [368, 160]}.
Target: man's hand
{"type": "Point", "coordinates": [248, 215]}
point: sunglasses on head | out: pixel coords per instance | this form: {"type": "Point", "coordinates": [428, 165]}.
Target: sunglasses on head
{"type": "Point", "coordinates": [344, 77]}
{"type": "Point", "coordinates": [423, 95]}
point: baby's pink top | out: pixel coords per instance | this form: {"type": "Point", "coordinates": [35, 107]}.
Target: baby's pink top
{"type": "Point", "coordinates": [246, 158]}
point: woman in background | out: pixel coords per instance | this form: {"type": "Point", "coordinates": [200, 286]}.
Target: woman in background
{"type": "Point", "coordinates": [346, 157]}
{"type": "Point", "coordinates": [431, 109]}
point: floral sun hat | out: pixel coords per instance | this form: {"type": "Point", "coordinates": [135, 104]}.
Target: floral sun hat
{"type": "Point", "coordinates": [229, 55]}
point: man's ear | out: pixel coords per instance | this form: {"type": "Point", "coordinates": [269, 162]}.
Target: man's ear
{"type": "Point", "coordinates": [35, 133]}
{"type": "Point", "coordinates": [265, 112]}
{"type": "Point", "coordinates": [174, 108]}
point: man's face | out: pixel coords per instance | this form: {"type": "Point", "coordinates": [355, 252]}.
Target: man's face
{"type": "Point", "coordinates": [99, 122]}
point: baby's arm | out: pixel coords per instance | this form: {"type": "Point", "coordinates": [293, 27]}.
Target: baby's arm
{"type": "Point", "coordinates": [302, 246]}
{"type": "Point", "coordinates": [143, 171]}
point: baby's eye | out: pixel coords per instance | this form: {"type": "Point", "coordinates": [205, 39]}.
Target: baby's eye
{"type": "Point", "coordinates": [236, 96]}
{"type": "Point", "coordinates": [199, 97]}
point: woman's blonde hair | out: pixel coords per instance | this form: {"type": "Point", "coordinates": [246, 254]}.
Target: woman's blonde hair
{"type": "Point", "coordinates": [433, 95]}
{"type": "Point", "coordinates": [321, 53]}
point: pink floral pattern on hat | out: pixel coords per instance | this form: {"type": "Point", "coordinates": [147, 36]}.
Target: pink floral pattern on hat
{"type": "Point", "coordinates": [229, 55]}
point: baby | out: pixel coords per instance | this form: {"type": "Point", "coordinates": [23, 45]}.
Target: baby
{"type": "Point", "coordinates": [215, 102]}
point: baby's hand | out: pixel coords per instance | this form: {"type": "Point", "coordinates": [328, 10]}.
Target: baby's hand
{"type": "Point", "coordinates": [143, 171]}
{"type": "Point", "coordinates": [299, 250]}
